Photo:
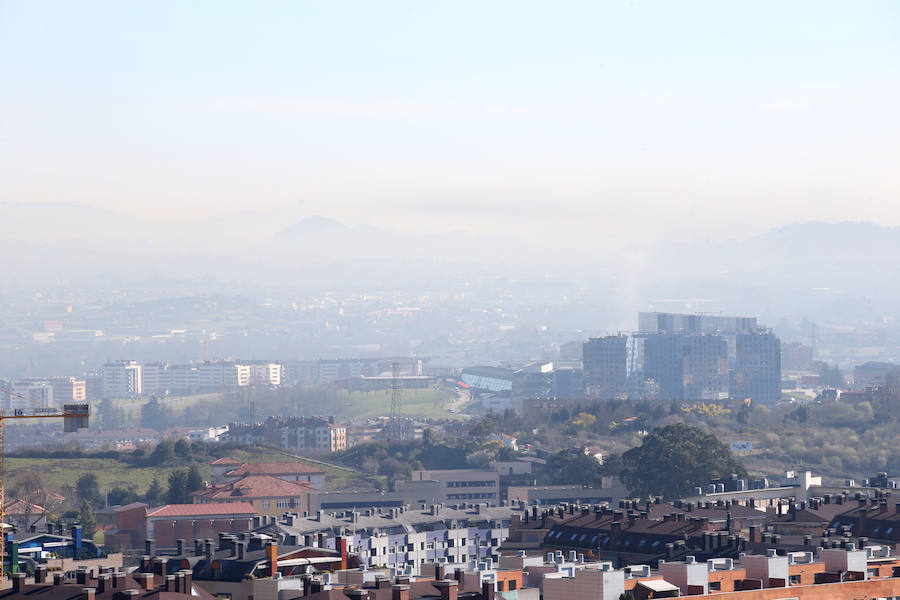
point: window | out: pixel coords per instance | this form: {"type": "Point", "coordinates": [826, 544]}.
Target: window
{"type": "Point", "coordinates": [265, 506]}
{"type": "Point", "coordinates": [795, 580]}
{"type": "Point", "coordinates": [715, 586]}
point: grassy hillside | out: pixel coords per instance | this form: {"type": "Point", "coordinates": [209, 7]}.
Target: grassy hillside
{"type": "Point", "coordinates": [61, 474]}
{"type": "Point", "coordinates": [211, 409]}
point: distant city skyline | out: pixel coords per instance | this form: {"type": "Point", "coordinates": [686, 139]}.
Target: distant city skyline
{"type": "Point", "coordinates": [577, 120]}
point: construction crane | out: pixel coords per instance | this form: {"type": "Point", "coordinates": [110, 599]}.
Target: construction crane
{"type": "Point", "coordinates": [74, 416]}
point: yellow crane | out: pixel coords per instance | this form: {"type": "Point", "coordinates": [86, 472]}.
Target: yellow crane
{"type": "Point", "coordinates": [74, 416]}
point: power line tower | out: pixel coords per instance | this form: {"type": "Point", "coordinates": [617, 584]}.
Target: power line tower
{"type": "Point", "coordinates": [396, 393]}
{"type": "Point", "coordinates": [398, 428]}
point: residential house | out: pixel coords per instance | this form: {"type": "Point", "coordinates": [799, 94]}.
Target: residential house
{"type": "Point", "coordinates": [268, 495]}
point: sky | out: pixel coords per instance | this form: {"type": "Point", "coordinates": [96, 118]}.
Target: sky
{"type": "Point", "coordinates": [575, 121]}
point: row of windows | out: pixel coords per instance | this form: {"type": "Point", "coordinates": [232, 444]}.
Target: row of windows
{"type": "Point", "coordinates": [491, 483]}
{"type": "Point", "coordinates": [280, 503]}
{"type": "Point", "coordinates": [487, 496]}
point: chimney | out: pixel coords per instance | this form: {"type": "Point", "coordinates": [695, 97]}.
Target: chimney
{"type": "Point", "coordinates": [179, 546]}
{"type": "Point", "coordinates": [863, 519]}
{"type": "Point", "coordinates": [170, 584]}
{"type": "Point", "coordinates": [160, 565]}
{"type": "Point", "coordinates": [272, 557]}
{"type": "Point", "coordinates": [340, 544]}
{"type": "Point", "coordinates": [150, 548]}
{"type": "Point", "coordinates": [615, 528]}
{"type": "Point", "coordinates": [305, 580]}
{"type": "Point", "coordinates": [400, 592]}
{"type": "Point", "coordinates": [382, 582]}
{"type": "Point", "coordinates": [118, 580]}
{"type": "Point", "coordinates": [198, 547]}
{"type": "Point", "coordinates": [188, 584]}
{"type": "Point", "coordinates": [104, 583]}
{"type": "Point", "coordinates": [448, 589]}
{"type": "Point", "coordinates": [438, 571]}
{"type": "Point", "coordinates": [82, 577]}
{"type": "Point", "coordinates": [145, 580]}
{"type": "Point", "coordinates": [487, 590]}
{"type": "Point", "coordinates": [241, 549]}
{"type": "Point", "coordinates": [18, 582]}
{"type": "Point", "coordinates": [179, 582]}
{"type": "Point", "coordinates": [58, 578]}
{"type": "Point", "coordinates": [755, 535]}
{"type": "Point", "coordinates": [129, 594]}
{"type": "Point", "coordinates": [88, 593]}
{"type": "Point", "coordinates": [208, 552]}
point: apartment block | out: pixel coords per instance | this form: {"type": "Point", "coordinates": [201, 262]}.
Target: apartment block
{"type": "Point", "coordinates": [605, 372]}
{"type": "Point", "coordinates": [401, 538]}
{"type": "Point", "coordinates": [296, 434]}
{"type": "Point", "coordinates": [28, 394]}
{"type": "Point", "coordinates": [122, 379]}
{"type": "Point", "coordinates": [463, 484]}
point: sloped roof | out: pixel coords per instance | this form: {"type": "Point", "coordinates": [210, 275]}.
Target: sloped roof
{"type": "Point", "coordinates": [192, 510]}
{"type": "Point", "coordinates": [823, 514]}
{"type": "Point", "coordinates": [226, 460]}
{"type": "Point", "coordinates": [275, 468]}
{"type": "Point", "coordinates": [20, 507]}
{"type": "Point", "coordinates": [256, 486]}
{"type": "Point", "coordinates": [408, 521]}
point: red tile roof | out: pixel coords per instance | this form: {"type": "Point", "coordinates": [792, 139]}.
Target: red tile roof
{"type": "Point", "coordinates": [193, 510]}
{"type": "Point", "coordinates": [256, 486]}
{"type": "Point", "coordinates": [276, 468]}
{"type": "Point", "coordinates": [19, 507]}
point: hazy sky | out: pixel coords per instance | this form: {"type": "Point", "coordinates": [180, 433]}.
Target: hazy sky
{"type": "Point", "coordinates": [579, 118]}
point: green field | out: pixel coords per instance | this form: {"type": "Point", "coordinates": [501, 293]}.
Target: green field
{"type": "Point", "coordinates": [427, 403]}
{"type": "Point", "coordinates": [61, 474]}
{"type": "Point", "coordinates": [342, 404]}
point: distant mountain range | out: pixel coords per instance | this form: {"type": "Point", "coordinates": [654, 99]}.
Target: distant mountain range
{"type": "Point", "coordinates": [836, 268]}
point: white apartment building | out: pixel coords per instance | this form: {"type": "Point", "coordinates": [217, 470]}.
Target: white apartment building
{"type": "Point", "coordinates": [122, 379]}
{"type": "Point", "coordinates": [156, 379]}
{"type": "Point", "coordinates": [65, 389]}
{"type": "Point", "coordinates": [241, 375]}
{"type": "Point", "coordinates": [266, 373]}
{"type": "Point", "coordinates": [184, 378]}
{"type": "Point", "coordinates": [215, 375]}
